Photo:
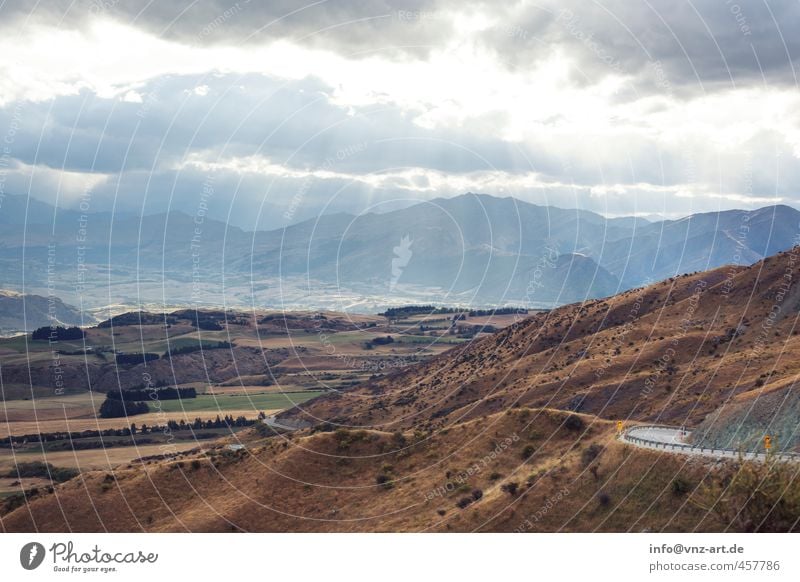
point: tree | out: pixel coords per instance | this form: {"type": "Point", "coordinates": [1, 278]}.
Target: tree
{"type": "Point", "coordinates": [57, 333]}
{"type": "Point", "coordinates": [112, 408]}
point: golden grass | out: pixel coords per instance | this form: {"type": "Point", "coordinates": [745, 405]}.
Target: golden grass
{"type": "Point", "coordinates": [94, 459]}
{"type": "Point", "coordinates": [327, 482]}
{"type": "Point", "coordinates": [151, 419]}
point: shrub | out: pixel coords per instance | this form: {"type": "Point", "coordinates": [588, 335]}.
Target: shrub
{"type": "Point", "coordinates": [527, 452]}
{"type": "Point", "coordinates": [574, 422]}
{"type": "Point", "coordinates": [590, 453]}
{"type": "Point", "coordinates": [464, 502]}
{"type": "Point", "coordinates": [603, 499]}
{"type": "Point", "coordinates": [384, 481]}
{"type": "Point", "coordinates": [495, 476]}
{"type": "Point", "coordinates": [399, 439]}
{"type": "Point", "coordinates": [680, 487]}
{"type": "Point", "coordinates": [511, 488]}
{"type": "Point", "coordinates": [477, 494]}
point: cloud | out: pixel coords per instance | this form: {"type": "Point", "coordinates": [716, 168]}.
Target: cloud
{"type": "Point", "coordinates": [661, 46]}
{"type": "Point", "coordinates": [396, 27]}
{"type": "Point", "coordinates": [668, 107]}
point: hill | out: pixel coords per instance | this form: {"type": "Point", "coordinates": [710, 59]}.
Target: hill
{"type": "Point", "coordinates": [27, 312]}
{"type": "Point", "coordinates": [522, 470]}
{"type": "Point", "coordinates": [674, 353]}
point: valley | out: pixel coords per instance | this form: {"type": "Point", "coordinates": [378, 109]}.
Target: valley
{"type": "Point", "coordinates": [504, 422]}
{"type": "Point", "coordinates": [240, 366]}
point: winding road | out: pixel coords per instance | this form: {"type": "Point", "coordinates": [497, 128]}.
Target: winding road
{"type": "Point", "coordinates": [674, 440]}
{"type": "Point", "coordinates": [273, 422]}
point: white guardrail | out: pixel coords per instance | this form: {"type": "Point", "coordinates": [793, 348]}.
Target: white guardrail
{"type": "Point", "coordinates": [687, 449]}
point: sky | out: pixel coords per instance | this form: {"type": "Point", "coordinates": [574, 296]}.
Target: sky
{"type": "Point", "coordinates": [273, 112]}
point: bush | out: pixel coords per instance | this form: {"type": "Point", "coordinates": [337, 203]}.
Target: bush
{"type": "Point", "coordinates": [399, 439]}
{"type": "Point", "coordinates": [590, 453]}
{"type": "Point", "coordinates": [384, 481]}
{"type": "Point", "coordinates": [680, 487]}
{"type": "Point", "coordinates": [604, 499]}
{"type": "Point", "coordinates": [527, 452]}
{"type": "Point", "coordinates": [477, 494]}
{"type": "Point", "coordinates": [464, 502]}
{"type": "Point", "coordinates": [574, 422]}
{"type": "Point", "coordinates": [511, 488]}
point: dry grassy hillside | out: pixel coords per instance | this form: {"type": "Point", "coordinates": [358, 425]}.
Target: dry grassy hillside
{"type": "Point", "coordinates": [672, 353]}
{"type": "Point", "coordinates": [524, 470]}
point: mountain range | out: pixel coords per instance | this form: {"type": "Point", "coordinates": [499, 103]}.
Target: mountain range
{"type": "Point", "coordinates": [470, 249]}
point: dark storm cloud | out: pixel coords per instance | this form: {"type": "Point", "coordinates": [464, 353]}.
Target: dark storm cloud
{"type": "Point", "coordinates": [348, 26]}
{"type": "Point", "coordinates": [666, 45]}
{"type": "Point", "coordinates": [675, 46]}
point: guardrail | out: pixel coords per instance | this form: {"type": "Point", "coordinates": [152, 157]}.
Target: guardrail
{"type": "Point", "coordinates": [698, 450]}
{"type": "Point", "coordinates": [273, 422]}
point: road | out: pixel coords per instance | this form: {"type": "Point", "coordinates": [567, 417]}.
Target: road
{"type": "Point", "coordinates": [273, 422]}
{"type": "Point", "coordinates": [674, 440]}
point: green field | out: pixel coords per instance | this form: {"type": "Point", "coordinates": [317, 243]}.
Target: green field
{"type": "Point", "coordinates": [423, 339]}
{"type": "Point", "coordinates": [253, 402]}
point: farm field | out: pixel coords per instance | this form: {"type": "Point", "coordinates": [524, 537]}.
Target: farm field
{"type": "Point", "coordinates": [252, 403]}
{"type": "Point", "coordinates": [240, 365]}
{"type": "Point", "coordinates": [76, 412]}
{"type": "Point", "coordinates": [94, 459]}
